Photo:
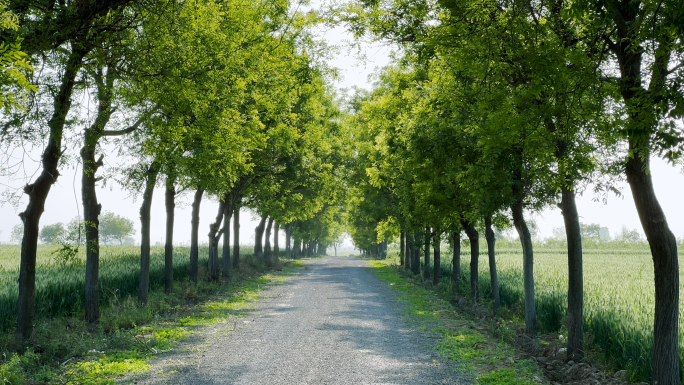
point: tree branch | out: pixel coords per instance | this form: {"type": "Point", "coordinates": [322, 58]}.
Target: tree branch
{"type": "Point", "coordinates": [124, 131]}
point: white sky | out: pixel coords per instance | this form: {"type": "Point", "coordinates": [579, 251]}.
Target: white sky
{"type": "Point", "coordinates": [61, 204]}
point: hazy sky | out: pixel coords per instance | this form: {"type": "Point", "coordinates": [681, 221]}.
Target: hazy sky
{"type": "Point", "coordinates": [62, 204]}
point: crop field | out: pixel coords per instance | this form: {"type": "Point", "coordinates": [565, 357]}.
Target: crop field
{"type": "Point", "coordinates": [618, 296]}
{"type": "Point", "coordinates": [60, 288]}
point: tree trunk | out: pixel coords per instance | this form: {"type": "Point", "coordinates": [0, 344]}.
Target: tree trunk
{"type": "Point", "coordinates": [528, 265]}
{"type": "Point", "coordinates": [214, 235]}
{"type": "Point", "coordinates": [236, 236]}
{"type": "Point", "coordinates": [276, 248]}
{"type": "Point", "coordinates": [38, 192]}
{"type": "Point", "coordinates": [426, 267]}
{"type": "Point", "coordinates": [438, 258]}
{"type": "Point", "coordinates": [491, 251]}
{"type": "Point", "coordinates": [474, 238]}
{"type": "Point", "coordinates": [225, 257]}
{"type": "Point", "coordinates": [267, 243]}
{"type": "Point", "coordinates": [663, 247]}
{"type": "Point", "coordinates": [409, 252]}
{"type": "Point", "coordinates": [642, 112]}
{"type": "Point", "coordinates": [259, 237]}
{"type": "Point", "coordinates": [194, 234]}
{"type": "Point", "coordinates": [170, 203]}
{"type": "Point", "coordinates": [415, 264]}
{"type": "Point", "coordinates": [297, 246]}
{"type": "Point", "coordinates": [288, 240]}
{"type": "Point", "coordinates": [575, 314]}
{"type": "Point", "coordinates": [402, 250]}
{"type": "Point", "coordinates": [456, 260]}
{"type": "Point", "coordinates": [145, 219]}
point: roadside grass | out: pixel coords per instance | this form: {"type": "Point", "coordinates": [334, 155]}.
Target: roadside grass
{"type": "Point", "coordinates": [488, 358]}
{"type": "Point", "coordinates": [65, 350]}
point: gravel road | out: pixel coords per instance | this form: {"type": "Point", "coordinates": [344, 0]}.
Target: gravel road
{"type": "Point", "coordinates": [334, 323]}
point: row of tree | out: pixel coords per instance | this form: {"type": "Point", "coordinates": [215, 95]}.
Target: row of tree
{"type": "Point", "coordinates": [228, 99]}
{"type": "Point", "coordinates": [499, 107]}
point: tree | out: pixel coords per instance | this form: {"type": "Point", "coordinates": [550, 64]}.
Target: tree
{"type": "Point", "coordinates": [50, 234]}
{"type": "Point", "coordinates": [115, 228]}
{"type": "Point", "coordinates": [16, 234]}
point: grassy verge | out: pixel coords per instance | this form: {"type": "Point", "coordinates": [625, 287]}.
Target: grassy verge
{"type": "Point", "coordinates": [486, 356]}
{"type": "Point", "coordinates": [65, 350]}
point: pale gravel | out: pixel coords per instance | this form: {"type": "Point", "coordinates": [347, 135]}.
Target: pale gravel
{"type": "Point", "coordinates": [334, 323]}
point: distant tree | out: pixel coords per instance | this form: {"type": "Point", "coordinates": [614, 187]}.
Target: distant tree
{"type": "Point", "coordinates": [590, 232]}
{"type": "Point", "coordinates": [628, 236]}
{"type": "Point", "coordinates": [16, 234]}
{"type": "Point", "coordinates": [115, 227]}
{"type": "Point", "coordinates": [75, 232]}
{"type": "Point", "coordinates": [50, 234]}
{"type": "Point", "coordinates": [559, 233]}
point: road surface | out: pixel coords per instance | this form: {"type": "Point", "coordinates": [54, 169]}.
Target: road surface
{"type": "Point", "coordinates": [334, 323]}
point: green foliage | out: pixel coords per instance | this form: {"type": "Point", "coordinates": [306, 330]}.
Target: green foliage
{"type": "Point", "coordinates": [50, 234]}
{"type": "Point", "coordinates": [115, 228]}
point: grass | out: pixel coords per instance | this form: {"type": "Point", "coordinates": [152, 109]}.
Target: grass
{"type": "Point", "coordinates": [490, 360]}
{"type": "Point", "coordinates": [618, 296]}
{"type": "Point", "coordinates": [65, 350]}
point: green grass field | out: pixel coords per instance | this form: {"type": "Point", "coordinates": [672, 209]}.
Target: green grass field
{"type": "Point", "coordinates": [618, 295]}
{"type": "Point", "coordinates": [60, 288]}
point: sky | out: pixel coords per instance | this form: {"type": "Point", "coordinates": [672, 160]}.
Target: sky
{"type": "Point", "coordinates": [63, 202]}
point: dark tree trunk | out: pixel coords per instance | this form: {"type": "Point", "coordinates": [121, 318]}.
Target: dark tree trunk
{"type": "Point", "coordinates": [474, 238]}
{"type": "Point", "coordinates": [225, 257]}
{"type": "Point", "coordinates": [236, 236]}
{"type": "Point", "coordinates": [528, 265]}
{"type": "Point", "coordinates": [426, 267]}
{"type": "Point", "coordinates": [194, 234]}
{"type": "Point", "coordinates": [259, 237]}
{"type": "Point", "coordinates": [642, 111]}
{"type": "Point", "coordinates": [276, 248]}
{"type": "Point", "coordinates": [297, 246]}
{"type": "Point", "coordinates": [415, 264]}
{"type": "Point", "coordinates": [663, 245]}
{"type": "Point", "coordinates": [402, 249]}
{"type": "Point", "coordinates": [91, 208]}
{"type": "Point", "coordinates": [145, 219]}
{"type": "Point", "coordinates": [491, 251]}
{"type": "Point", "coordinates": [409, 251]}
{"type": "Point", "coordinates": [214, 235]}
{"type": "Point", "coordinates": [38, 192]}
{"type": "Point", "coordinates": [456, 260]}
{"type": "Point", "coordinates": [575, 314]}
{"type": "Point", "coordinates": [438, 258]}
{"type": "Point", "coordinates": [170, 203]}
{"type": "Point", "coordinates": [288, 240]}
{"type": "Point", "coordinates": [267, 243]}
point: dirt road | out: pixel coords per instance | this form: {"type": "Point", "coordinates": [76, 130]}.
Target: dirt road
{"type": "Point", "coordinates": [332, 324]}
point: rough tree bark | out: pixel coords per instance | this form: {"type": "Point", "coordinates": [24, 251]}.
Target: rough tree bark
{"type": "Point", "coordinates": [194, 234]}
{"type": "Point", "coordinates": [438, 257]}
{"type": "Point", "coordinates": [259, 237]}
{"type": "Point", "coordinates": [145, 219]}
{"type": "Point", "coordinates": [288, 240]}
{"type": "Point", "coordinates": [491, 251]}
{"type": "Point", "coordinates": [236, 235]}
{"type": "Point", "coordinates": [528, 265]}
{"type": "Point", "coordinates": [225, 257]}
{"type": "Point", "coordinates": [214, 235]}
{"type": "Point", "coordinates": [426, 267]}
{"type": "Point", "coordinates": [456, 260]}
{"type": "Point", "coordinates": [276, 247]}
{"type": "Point", "coordinates": [409, 251]}
{"type": "Point", "coordinates": [575, 314]}
{"type": "Point", "coordinates": [170, 203]}
{"type": "Point", "coordinates": [474, 238]}
{"type": "Point", "coordinates": [38, 192]}
{"type": "Point", "coordinates": [415, 264]}
{"type": "Point", "coordinates": [267, 243]}
{"type": "Point", "coordinates": [642, 122]}
{"type": "Point", "coordinates": [402, 249]}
